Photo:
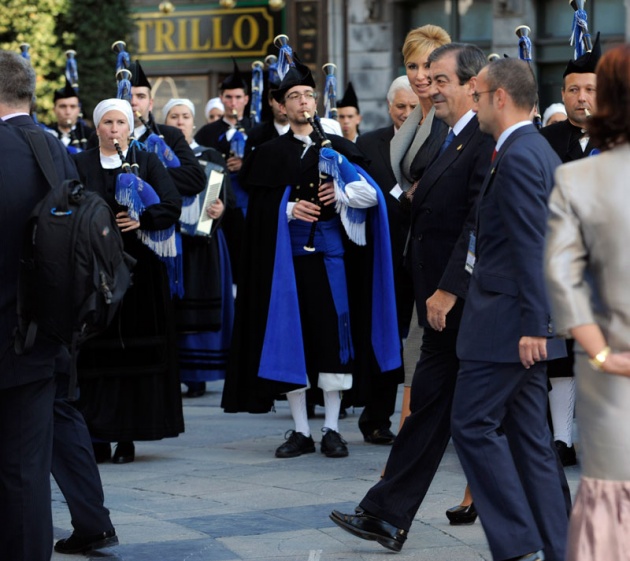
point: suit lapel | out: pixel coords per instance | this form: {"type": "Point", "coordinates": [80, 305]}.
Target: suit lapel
{"type": "Point", "coordinates": [444, 161]}
{"type": "Point", "coordinates": [384, 144]}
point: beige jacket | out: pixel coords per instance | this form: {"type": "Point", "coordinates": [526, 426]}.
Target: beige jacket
{"type": "Point", "coordinates": [588, 245]}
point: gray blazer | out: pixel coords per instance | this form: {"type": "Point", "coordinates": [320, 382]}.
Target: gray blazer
{"type": "Point", "coordinates": [588, 254]}
{"type": "Point", "coordinates": [406, 143]}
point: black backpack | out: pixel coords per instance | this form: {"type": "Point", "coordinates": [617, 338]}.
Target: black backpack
{"type": "Point", "coordinates": [73, 269]}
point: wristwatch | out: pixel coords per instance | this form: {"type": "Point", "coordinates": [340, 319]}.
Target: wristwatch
{"type": "Point", "coordinates": [597, 362]}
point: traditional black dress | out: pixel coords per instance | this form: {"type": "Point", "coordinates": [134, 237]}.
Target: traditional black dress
{"type": "Point", "coordinates": [128, 375]}
{"type": "Point", "coordinates": [206, 312]}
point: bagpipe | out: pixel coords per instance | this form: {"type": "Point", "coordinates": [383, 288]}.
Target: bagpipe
{"type": "Point", "coordinates": [271, 63]}
{"type": "Point", "coordinates": [135, 194]}
{"type": "Point", "coordinates": [255, 111]}
{"type": "Point", "coordinates": [78, 140]}
{"type": "Point", "coordinates": [580, 37]}
{"type": "Point", "coordinates": [155, 141]}
{"type": "Point", "coordinates": [330, 91]}
{"type": "Point", "coordinates": [525, 54]}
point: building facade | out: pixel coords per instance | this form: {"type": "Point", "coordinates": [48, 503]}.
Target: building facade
{"type": "Point", "coordinates": [187, 49]}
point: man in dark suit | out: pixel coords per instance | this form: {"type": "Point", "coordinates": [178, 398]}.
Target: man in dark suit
{"type": "Point", "coordinates": [374, 421]}
{"type": "Point", "coordinates": [440, 222]}
{"type": "Point", "coordinates": [27, 387]}
{"type": "Point", "coordinates": [70, 127]}
{"type": "Point", "coordinates": [499, 419]}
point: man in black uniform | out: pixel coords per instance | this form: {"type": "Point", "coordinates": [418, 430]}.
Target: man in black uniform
{"type": "Point", "coordinates": [570, 140]}
{"type": "Point", "coordinates": [301, 329]}
{"type": "Point", "coordinates": [70, 128]}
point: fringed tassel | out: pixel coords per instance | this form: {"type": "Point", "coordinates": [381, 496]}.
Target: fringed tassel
{"type": "Point", "coordinates": [578, 31]}
{"type": "Point", "coordinates": [156, 144]}
{"type": "Point", "coordinates": [127, 196]}
{"type": "Point", "coordinates": [237, 144]}
{"type": "Point", "coordinates": [160, 242]}
{"type": "Point", "coordinates": [354, 227]}
{"type": "Point", "coordinates": [190, 210]}
{"type": "Point", "coordinates": [124, 89]}
{"type": "Point", "coordinates": [285, 56]}
{"type": "Point", "coordinates": [346, 350]}
{"type": "Point", "coordinates": [525, 46]}
{"type": "Point", "coordinates": [175, 270]}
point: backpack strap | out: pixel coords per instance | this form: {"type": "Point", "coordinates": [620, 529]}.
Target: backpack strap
{"type": "Point", "coordinates": [24, 341]}
{"type": "Point", "coordinates": [39, 146]}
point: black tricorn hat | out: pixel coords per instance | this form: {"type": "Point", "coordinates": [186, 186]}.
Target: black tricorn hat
{"type": "Point", "coordinates": [234, 81]}
{"type": "Point", "coordinates": [138, 77]}
{"type": "Point", "coordinates": [587, 62]}
{"type": "Point", "coordinates": [298, 75]}
{"type": "Point", "coordinates": [349, 98]}
{"type": "Point", "coordinates": [65, 92]}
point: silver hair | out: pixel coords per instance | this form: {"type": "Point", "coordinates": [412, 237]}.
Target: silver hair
{"type": "Point", "coordinates": [400, 83]}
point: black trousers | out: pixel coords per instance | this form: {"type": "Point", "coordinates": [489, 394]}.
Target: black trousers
{"type": "Point", "coordinates": [419, 447]}
{"type": "Point", "coordinates": [74, 467]}
{"type": "Point", "coordinates": [26, 434]}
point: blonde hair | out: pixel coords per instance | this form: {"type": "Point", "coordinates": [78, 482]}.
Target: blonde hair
{"type": "Point", "coordinates": [424, 39]}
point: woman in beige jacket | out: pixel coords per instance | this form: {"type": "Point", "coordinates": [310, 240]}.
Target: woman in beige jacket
{"type": "Point", "coordinates": [588, 271]}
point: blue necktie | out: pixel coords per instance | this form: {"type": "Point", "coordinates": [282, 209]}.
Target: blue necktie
{"type": "Point", "coordinates": [447, 141]}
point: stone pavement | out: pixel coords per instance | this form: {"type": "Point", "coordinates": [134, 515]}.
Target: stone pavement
{"type": "Point", "coordinates": [217, 493]}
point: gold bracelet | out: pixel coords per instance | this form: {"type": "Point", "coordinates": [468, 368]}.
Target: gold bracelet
{"type": "Point", "coordinates": [598, 360]}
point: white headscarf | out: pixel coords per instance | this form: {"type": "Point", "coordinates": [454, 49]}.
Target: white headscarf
{"type": "Point", "coordinates": [552, 110]}
{"type": "Point", "coordinates": [113, 104]}
{"type": "Point", "coordinates": [214, 103]}
{"type": "Point", "coordinates": [177, 101]}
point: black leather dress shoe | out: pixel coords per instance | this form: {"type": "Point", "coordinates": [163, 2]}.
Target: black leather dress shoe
{"type": "Point", "coordinates": [380, 436]}
{"type": "Point", "coordinates": [125, 453]}
{"type": "Point", "coordinates": [83, 544]}
{"type": "Point", "coordinates": [368, 527]}
{"type": "Point", "coordinates": [462, 515]}
{"type": "Point", "coordinates": [566, 453]}
{"type": "Point", "coordinates": [296, 445]}
{"type": "Point", "coordinates": [333, 446]}
{"type": "Point", "coordinates": [196, 389]}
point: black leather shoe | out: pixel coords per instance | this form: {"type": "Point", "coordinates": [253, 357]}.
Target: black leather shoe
{"type": "Point", "coordinates": [462, 515]}
{"type": "Point", "coordinates": [125, 453]}
{"type": "Point", "coordinates": [296, 445]}
{"type": "Point", "coordinates": [83, 544]}
{"type": "Point", "coordinates": [566, 453]}
{"type": "Point", "coordinates": [102, 451]}
{"type": "Point", "coordinates": [333, 445]}
{"type": "Point", "coordinates": [196, 389]}
{"type": "Point", "coordinates": [380, 436]}
{"type": "Point", "coordinates": [368, 527]}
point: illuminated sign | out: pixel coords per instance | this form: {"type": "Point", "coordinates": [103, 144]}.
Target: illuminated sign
{"type": "Point", "coordinates": [204, 34]}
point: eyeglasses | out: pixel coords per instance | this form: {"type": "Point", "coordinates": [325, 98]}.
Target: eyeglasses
{"type": "Point", "coordinates": [294, 96]}
{"type": "Point", "coordinates": [477, 95]}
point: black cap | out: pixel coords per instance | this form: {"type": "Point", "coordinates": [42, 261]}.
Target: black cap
{"type": "Point", "coordinates": [587, 62]}
{"type": "Point", "coordinates": [349, 98]}
{"type": "Point", "coordinates": [234, 81]}
{"type": "Point", "coordinates": [65, 92]}
{"type": "Point", "coordinates": [298, 75]}
{"type": "Point", "coordinates": [138, 77]}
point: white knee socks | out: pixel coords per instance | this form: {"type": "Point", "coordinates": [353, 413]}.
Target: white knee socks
{"type": "Point", "coordinates": [297, 404]}
{"type": "Point", "coordinates": [332, 406]}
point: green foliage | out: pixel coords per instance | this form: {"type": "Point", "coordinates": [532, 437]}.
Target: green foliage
{"type": "Point", "coordinates": [34, 23]}
{"type": "Point", "coordinates": [95, 26]}
{"type": "Point", "coordinates": [51, 27]}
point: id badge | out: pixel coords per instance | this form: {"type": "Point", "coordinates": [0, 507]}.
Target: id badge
{"type": "Point", "coordinates": [471, 257]}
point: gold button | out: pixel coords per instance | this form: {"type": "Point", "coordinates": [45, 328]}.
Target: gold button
{"type": "Point", "coordinates": [298, 187]}
{"type": "Point", "coordinates": [297, 200]}
{"type": "Point", "coordinates": [311, 184]}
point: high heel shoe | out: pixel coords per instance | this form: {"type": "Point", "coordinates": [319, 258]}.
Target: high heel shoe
{"type": "Point", "coordinates": [462, 515]}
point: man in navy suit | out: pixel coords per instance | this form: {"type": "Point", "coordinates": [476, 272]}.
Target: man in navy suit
{"type": "Point", "coordinates": [499, 419]}
{"type": "Point", "coordinates": [27, 386]}
{"type": "Point", "coordinates": [441, 218]}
